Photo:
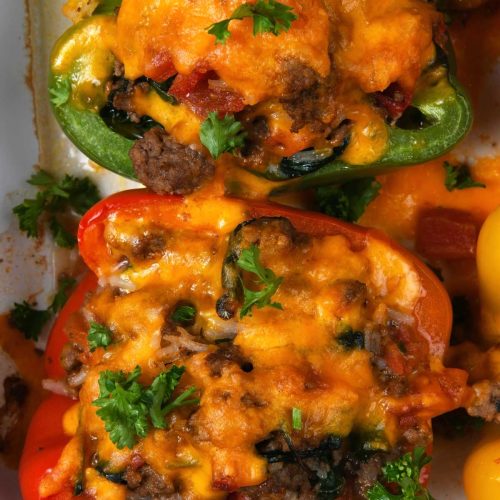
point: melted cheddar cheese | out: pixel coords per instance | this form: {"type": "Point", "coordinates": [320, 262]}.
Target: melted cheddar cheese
{"type": "Point", "coordinates": [304, 83]}
{"type": "Point", "coordinates": [253, 66]}
{"type": "Point", "coordinates": [294, 358]}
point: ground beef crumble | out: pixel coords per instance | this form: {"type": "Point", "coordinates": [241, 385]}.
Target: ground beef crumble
{"type": "Point", "coordinates": [167, 167]}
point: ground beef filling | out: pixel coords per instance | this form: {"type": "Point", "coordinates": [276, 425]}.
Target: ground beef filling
{"type": "Point", "coordinates": [167, 167]}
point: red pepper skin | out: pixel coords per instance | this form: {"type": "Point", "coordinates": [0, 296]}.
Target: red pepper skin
{"type": "Point", "coordinates": [58, 336]}
{"type": "Point", "coordinates": [43, 446]}
{"type": "Point", "coordinates": [46, 438]}
{"type": "Point", "coordinates": [447, 234]}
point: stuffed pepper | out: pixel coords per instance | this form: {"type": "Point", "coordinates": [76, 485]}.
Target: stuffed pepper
{"type": "Point", "coordinates": [227, 349]}
{"type": "Point", "coordinates": [300, 92]}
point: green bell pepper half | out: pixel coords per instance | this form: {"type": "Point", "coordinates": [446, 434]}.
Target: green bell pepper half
{"type": "Point", "coordinates": [439, 97]}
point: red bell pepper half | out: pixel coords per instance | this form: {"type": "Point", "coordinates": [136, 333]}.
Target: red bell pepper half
{"type": "Point", "coordinates": [46, 437]}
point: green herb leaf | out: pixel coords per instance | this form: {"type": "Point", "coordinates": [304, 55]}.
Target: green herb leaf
{"type": "Point", "coordinates": [348, 201]}
{"type": "Point", "coordinates": [60, 91]}
{"type": "Point", "coordinates": [99, 336]}
{"type": "Point", "coordinates": [41, 179]}
{"type": "Point", "coordinates": [250, 261]}
{"type": "Point", "coordinates": [128, 409]}
{"type": "Point", "coordinates": [160, 392]}
{"type": "Point", "coordinates": [220, 30]}
{"type": "Point", "coordinates": [28, 320]}
{"type": "Point", "coordinates": [405, 473]}
{"type": "Point", "coordinates": [62, 238]}
{"type": "Point", "coordinates": [77, 193]}
{"type": "Point", "coordinates": [459, 177]}
{"type": "Point", "coordinates": [29, 213]}
{"type": "Point", "coordinates": [221, 135]}
{"type": "Point", "coordinates": [184, 315]}
{"type": "Point", "coordinates": [269, 16]}
{"type": "Point", "coordinates": [121, 407]}
{"type": "Point", "coordinates": [296, 419]}
{"type": "Point", "coordinates": [351, 339]}
{"type": "Point", "coordinates": [61, 297]}
{"type": "Point", "coordinates": [81, 192]}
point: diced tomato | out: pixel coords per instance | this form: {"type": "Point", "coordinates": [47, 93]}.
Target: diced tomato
{"type": "Point", "coordinates": [160, 67]}
{"type": "Point", "coordinates": [446, 234]}
{"type": "Point", "coordinates": [204, 92]}
{"type": "Point", "coordinates": [394, 99]}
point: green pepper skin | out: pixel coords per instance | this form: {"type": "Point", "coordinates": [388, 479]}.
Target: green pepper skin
{"type": "Point", "coordinates": [241, 238]}
{"type": "Point", "coordinates": [440, 98]}
{"type": "Point", "coordinates": [444, 104]}
{"type": "Point", "coordinates": [92, 137]}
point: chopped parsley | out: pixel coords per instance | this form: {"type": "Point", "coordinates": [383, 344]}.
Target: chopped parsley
{"type": "Point", "coordinates": [220, 136]}
{"type": "Point", "coordinates": [350, 200]}
{"type": "Point", "coordinates": [128, 409]}
{"type": "Point", "coordinates": [62, 237]}
{"type": "Point", "coordinates": [405, 474]}
{"type": "Point", "coordinates": [61, 297]}
{"type": "Point", "coordinates": [184, 315]}
{"type": "Point", "coordinates": [250, 261]}
{"type": "Point", "coordinates": [459, 177]}
{"type": "Point", "coordinates": [160, 392]}
{"type": "Point", "coordinates": [269, 16]}
{"type": "Point", "coordinates": [54, 198]}
{"type": "Point", "coordinates": [351, 339]}
{"type": "Point", "coordinates": [99, 336]}
{"type": "Point", "coordinates": [296, 419]}
{"type": "Point", "coordinates": [30, 321]}
{"type": "Point", "coordinates": [60, 91]}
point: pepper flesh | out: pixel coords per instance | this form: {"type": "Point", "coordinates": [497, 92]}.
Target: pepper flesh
{"type": "Point", "coordinates": [439, 98]}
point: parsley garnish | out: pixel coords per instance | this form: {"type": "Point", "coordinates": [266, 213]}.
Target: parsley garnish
{"type": "Point", "coordinates": [128, 409]}
{"type": "Point", "coordinates": [296, 419]}
{"type": "Point", "coordinates": [160, 392]}
{"type": "Point", "coordinates": [350, 339]}
{"type": "Point", "coordinates": [459, 177]}
{"type": "Point", "coordinates": [99, 336]}
{"type": "Point", "coordinates": [121, 407]}
{"type": "Point", "coordinates": [61, 297]}
{"type": "Point", "coordinates": [60, 92]}
{"type": "Point", "coordinates": [55, 197]}
{"type": "Point", "coordinates": [405, 473]}
{"type": "Point", "coordinates": [30, 321]}
{"type": "Point", "coordinates": [269, 16]}
{"type": "Point", "coordinates": [184, 315]}
{"type": "Point", "coordinates": [221, 135]}
{"type": "Point", "coordinates": [250, 261]}
{"type": "Point", "coordinates": [62, 237]}
{"type": "Point", "coordinates": [348, 201]}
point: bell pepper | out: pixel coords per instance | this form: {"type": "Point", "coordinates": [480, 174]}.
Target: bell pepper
{"type": "Point", "coordinates": [432, 312]}
{"type": "Point", "coordinates": [442, 107]}
{"type": "Point", "coordinates": [46, 438]}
